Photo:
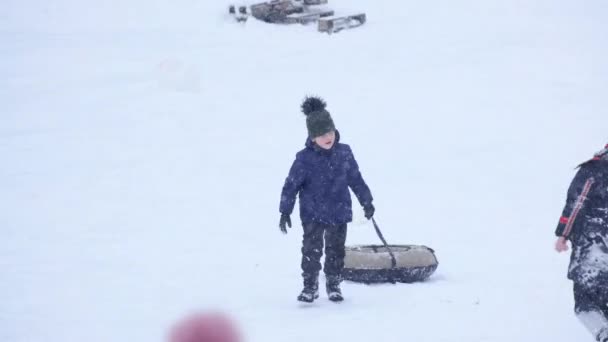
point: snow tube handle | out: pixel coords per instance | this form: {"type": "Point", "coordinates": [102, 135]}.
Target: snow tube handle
{"type": "Point", "coordinates": [390, 252]}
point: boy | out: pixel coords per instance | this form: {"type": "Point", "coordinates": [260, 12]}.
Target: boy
{"type": "Point", "coordinates": [584, 222]}
{"type": "Point", "coordinates": [322, 174]}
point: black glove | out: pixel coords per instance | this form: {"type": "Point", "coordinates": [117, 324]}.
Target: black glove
{"type": "Point", "coordinates": [285, 221]}
{"type": "Point", "coordinates": [369, 211]}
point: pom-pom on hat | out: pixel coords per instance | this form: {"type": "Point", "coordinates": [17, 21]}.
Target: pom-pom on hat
{"type": "Point", "coordinates": [318, 119]}
{"type": "Point", "coordinates": [205, 327]}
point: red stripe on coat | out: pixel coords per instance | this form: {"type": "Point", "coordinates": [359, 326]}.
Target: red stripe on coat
{"type": "Point", "coordinates": [578, 206]}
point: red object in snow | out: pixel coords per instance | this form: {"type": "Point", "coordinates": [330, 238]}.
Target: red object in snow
{"type": "Point", "coordinates": [205, 327]}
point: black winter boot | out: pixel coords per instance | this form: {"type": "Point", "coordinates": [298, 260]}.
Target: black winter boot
{"type": "Point", "coordinates": [602, 336]}
{"type": "Point", "coordinates": [311, 289]}
{"type": "Point", "coordinates": [333, 289]}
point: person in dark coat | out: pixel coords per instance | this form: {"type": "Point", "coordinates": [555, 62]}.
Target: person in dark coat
{"type": "Point", "coordinates": [321, 176]}
{"type": "Point", "coordinates": [584, 223]}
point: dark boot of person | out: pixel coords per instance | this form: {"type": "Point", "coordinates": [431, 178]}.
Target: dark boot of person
{"type": "Point", "coordinates": [333, 289]}
{"type": "Point", "coordinates": [602, 336]}
{"type": "Point", "coordinates": [311, 289]}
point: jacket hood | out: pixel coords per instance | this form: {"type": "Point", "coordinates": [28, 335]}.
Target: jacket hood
{"type": "Point", "coordinates": [601, 155]}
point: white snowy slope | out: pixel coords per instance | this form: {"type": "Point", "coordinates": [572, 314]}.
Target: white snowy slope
{"type": "Point", "coordinates": [144, 144]}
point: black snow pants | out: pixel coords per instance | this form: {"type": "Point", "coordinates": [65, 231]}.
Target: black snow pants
{"type": "Point", "coordinates": [591, 308]}
{"type": "Point", "coordinates": [591, 299]}
{"type": "Point", "coordinates": [312, 250]}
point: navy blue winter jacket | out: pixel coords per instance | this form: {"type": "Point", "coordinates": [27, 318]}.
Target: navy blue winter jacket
{"type": "Point", "coordinates": [322, 179]}
{"type": "Point", "coordinates": [587, 202]}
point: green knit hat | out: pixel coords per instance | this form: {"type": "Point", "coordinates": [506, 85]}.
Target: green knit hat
{"type": "Point", "coordinates": [318, 119]}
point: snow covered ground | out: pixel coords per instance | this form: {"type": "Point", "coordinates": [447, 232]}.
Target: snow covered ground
{"type": "Point", "coordinates": [144, 144]}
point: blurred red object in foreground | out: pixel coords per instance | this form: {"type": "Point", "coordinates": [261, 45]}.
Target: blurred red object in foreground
{"type": "Point", "coordinates": [205, 327]}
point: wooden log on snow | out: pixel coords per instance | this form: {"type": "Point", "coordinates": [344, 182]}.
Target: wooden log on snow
{"type": "Point", "coordinates": [306, 18]}
{"type": "Point", "coordinates": [337, 24]}
{"type": "Point", "coordinates": [275, 11]}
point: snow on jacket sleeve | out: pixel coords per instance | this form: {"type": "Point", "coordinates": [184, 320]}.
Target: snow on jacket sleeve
{"type": "Point", "coordinates": [356, 182]}
{"type": "Point", "coordinates": [293, 184]}
{"type": "Point", "coordinates": [577, 194]}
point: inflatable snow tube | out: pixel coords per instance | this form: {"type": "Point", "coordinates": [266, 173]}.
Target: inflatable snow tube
{"type": "Point", "coordinates": [371, 264]}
